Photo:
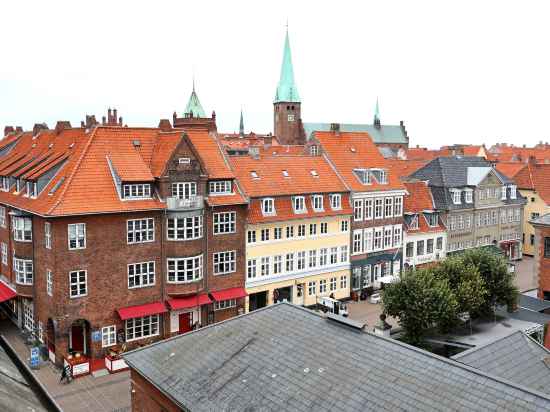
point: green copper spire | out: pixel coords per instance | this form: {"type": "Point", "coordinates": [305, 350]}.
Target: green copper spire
{"type": "Point", "coordinates": [377, 114]}
{"type": "Point", "coordinates": [241, 125]}
{"type": "Point", "coordinates": [286, 89]}
{"type": "Point", "coordinates": [194, 107]}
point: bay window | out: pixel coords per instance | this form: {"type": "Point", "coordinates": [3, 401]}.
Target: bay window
{"type": "Point", "coordinates": [185, 270]}
{"type": "Point", "coordinates": [22, 228]}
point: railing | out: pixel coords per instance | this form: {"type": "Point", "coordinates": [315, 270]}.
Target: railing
{"type": "Point", "coordinates": [193, 203]}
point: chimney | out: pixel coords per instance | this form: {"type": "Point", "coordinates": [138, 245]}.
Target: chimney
{"type": "Point", "coordinates": [254, 152]}
{"type": "Point", "coordinates": [38, 127]}
{"type": "Point", "coordinates": [90, 122]}
{"type": "Point", "coordinates": [335, 127]}
{"type": "Point", "coordinates": [174, 117]}
{"type": "Point", "coordinates": [524, 145]}
{"type": "Point", "coordinates": [8, 130]}
{"type": "Point", "coordinates": [62, 125]}
{"type": "Point", "coordinates": [532, 160]}
{"type": "Point", "coordinates": [19, 129]}
{"type": "Point", "coordinates": [164, 125]}
{"type": "Point", "coordinates": [268, 140]}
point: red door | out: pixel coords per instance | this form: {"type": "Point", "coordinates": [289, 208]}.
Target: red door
{"type": "Point", "coordinates": [185, 322]}
{"type": "Point", "coordinates": [77, 336]}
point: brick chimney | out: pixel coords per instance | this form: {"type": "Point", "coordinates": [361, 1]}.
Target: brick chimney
{"type": "Point", "coordinates": [62, 125]}
{"type": "Point", "coordinates": [165, 125]}
{"type": "Point", "coordinates": [112, 119]}
{"type": "Point", "coordinates": [38, 127]}
{"type": "Point", "coordinates": [8, 130]}
{"type": "Point", "coordinates": [19, 129]}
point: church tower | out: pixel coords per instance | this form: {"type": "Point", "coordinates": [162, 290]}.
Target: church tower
{"type": "Point", "coordinates": [194, 115]}
{"type": "Point", "coordinates": [287, 119]}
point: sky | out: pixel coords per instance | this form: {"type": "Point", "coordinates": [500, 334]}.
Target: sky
{"type": "Point", "coordinates": [453, 71]}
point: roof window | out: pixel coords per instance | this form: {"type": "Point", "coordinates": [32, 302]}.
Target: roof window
{"type": "Point", "coordinates": [285, 173]}
{"type": "Point", "coordinates": [314, 173]}
{"type": "Point", "coordinates": [254, 175]}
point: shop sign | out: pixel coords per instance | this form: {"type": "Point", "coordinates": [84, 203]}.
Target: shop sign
{"type": "Point", "coordinates": [96, 336]}
{"type": "Point", "coordinates": [81, 368]}
{"type": "Point", "coordinates": [35, 356]}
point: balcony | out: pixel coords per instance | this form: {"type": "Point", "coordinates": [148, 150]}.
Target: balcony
{"type": "Point", "coordinates": [176, 204]}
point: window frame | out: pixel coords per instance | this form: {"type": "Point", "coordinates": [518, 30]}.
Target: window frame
{"type": "Point", "coordinates": [78, 236]}
{"type": "Point", "coordinates": [317, 203]}
{"type": "Point", "coordinates": [197, 271]}
{"type": "Point", "coordinates": [149, 231]}
{"type": "Point", "coordinates": [49, 282]}
{"type": "Point", "coordinates": [142, 325]}
{"type": "Point", "coordinates": [141, 275]}
{"type": "Point", "coordinates": [226, 262]}
{"type": "Point", "coordinates": [78, 284]}
{"type": "Point", "coordinates": [299, 201]}
{"type": "Point", "coordinates": [129, 188]}
{"type": "Point", "coordinates": [184, 190]}
{"type": "Point", "coordinates": [24, 233]}
{"type": "Point", "coordinates": [172, 225]}
{"type": "Point", "coordinates": [23, 275]}
{"type": "Point", "coordinates": [268, 206]}
{"type": "Point", "coordinates": [229, 219]}
{"type": "Point", "coordinates": [110, 333]}
{"type": "Point", "coordinates": [335, 201]}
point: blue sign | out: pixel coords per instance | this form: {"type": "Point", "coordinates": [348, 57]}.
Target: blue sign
{"type": "Point", "coordinates": [35, 356]}
{"type": "Point", "coordinates": [96, 336]}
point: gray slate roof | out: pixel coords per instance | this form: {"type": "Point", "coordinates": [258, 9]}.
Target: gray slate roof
{"type": "Point", "coordinates": [386, 133]}
{"type": "Point", "coordinates": [515, 357]}
{"type": "Point", "coordinates": [532, 303]}
{"type": "Point", "coordinates": [284, 357]}
{"type": "Point", "coordinates": [543, 220]}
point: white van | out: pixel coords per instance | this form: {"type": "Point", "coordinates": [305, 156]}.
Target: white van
{"type": "Point", "coordinates": [332, 306]}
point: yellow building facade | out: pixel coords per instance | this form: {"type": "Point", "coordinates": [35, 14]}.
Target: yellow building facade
{"type": "Point", "coordinates": [298, 261]}
{"type": "Point", "coordinates": [534, 208]}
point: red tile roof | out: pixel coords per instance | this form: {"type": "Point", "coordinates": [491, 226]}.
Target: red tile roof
{"type": "Point", "coordinates": [418, 200]}
{"type": "Point", "coordinates": [225, 200]}
{"type": "Point", "coordinates": [535, 177]}
{"type": "Point", "coordinates": [210, 153]}
{"type": "Point", "coordinates": [405, 168]}
{"type": "Point", "coordinates": [349, 151]}
{"type": "Point", "coordinates": [424, 154]}
{"type": "Point", "coordinates": [509, 169]}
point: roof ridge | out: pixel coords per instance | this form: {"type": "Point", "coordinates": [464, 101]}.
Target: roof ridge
{"type": "Point", "coordinates": [73, 173]}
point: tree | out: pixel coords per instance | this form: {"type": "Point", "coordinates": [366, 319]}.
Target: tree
{"type": "Point", "coordinates": [421, 301]}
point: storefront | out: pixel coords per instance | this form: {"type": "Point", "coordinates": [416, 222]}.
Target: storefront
{"type": "Point", "coordinates": [185, 313]}
{"type": "Point", "coordinates": [376, 269]}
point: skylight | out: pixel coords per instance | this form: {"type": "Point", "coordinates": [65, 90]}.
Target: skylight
{"type": "Point", "coordinates": [254, 175]}
{"type": "Point", "coordinates": [314, 173]}
{"type": "Point", "coordinates": [285, 173]}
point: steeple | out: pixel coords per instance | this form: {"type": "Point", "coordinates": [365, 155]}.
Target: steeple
{"type": "Point", "coordinates": [286, 89]}
{"type": "Point", "coordinates": [377, 115]}
{"type": "Point", "coordinates": [241, 125]}
{"type": "Point", "coordinates": [194, 107]}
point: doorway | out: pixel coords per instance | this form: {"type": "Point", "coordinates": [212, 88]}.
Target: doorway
{"type": "Point", "coordinates": [300, 294]}
{"type": "Point", "coordinates": [282, 294]}
{"type": "Point", "coordinates": [185, 320]}
{"type": "Point", "coordinates": [78, 336]}
{"type": "Point", "coordinates": [257, 300]}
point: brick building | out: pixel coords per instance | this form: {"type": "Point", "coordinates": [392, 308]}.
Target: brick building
{"type": "Point", "coordinates": [113, 237]}
{"type": "Point", "coordinates": [542, 255]}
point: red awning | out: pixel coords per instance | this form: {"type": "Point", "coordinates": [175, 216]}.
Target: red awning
{"type": "Point", "coordinates": [226, 294]}
{"type": "Point", "coordinates": [6, 293]}
{"type": "Point", "coordinates": [139, 311]}
{"type": "Point", "coordinates": [189, 302]}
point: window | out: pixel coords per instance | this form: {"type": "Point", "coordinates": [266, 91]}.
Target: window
{"type": "Point", "coordinates": [336, 201]}
{"type": "Point", "coordinates": [4, 253]}
{"type": "Point", "coordinates": [289, 262]}
{"type": "Point", "coordinates": [323, 257]}
{"type": "Point", "coordinates": [343, 282]}
{"type": "Point", "coordinates": [77, 283]}
{"type": "Point", "coordinates": [301, 261]}
{"type": "Point", "coordinates": [312, 259]}
{"type": "Point", "coordinates": [278, 233]}
{"type": "Point", "coordinates": [356, 278]}
{"type": "Point", "coordinates": [378, 208]}
{"type": "Point", "coordinates": [532, 240]}
{"type": "Point", "coordinates": [409, 252]}
{"type": "Point", "coordinates": [378, 238]}
{"type": "Point", "coordinates": [299, 204]}
{"type": "Point", "coordinates": [17, 185]}
{"type": "Point", "coordinates": [47, 235]}
{"type": "Point", "coordinates": [397, 235]}
{"type": "Point", "coordinates": [277, 264]}
{"type": "Point", "coordinates": [264, 267]}
{"type": "Point", "coordinates": [432, 219]}
{"type": "Point", "coordinates": [468, 196]}
{"type": "Point", "coordinates": [312, 229]}
{"type": "Point", "coordinates": [369, 209]}
{"type": "Point", "coordinates": [224, 222]}
{"type": "Point", "coordinates": [547, 247]}
{"type": "Point", "coordinates": [23, 271]}
{"type": "Point", "coordinates": [494, 217]}
{"type": "Point", "coordinates": [368, 239]}
{"type": "Point", "coordinates": [268, 206]}
{"type": "Point", "coordinates": [264, 235]}
{"type": "Point", "coordinates": [251, 236]}
{"type": "Point", "coordinates": [108, 336]}
{"type": "Point", "coordinates": [141, 274]}
{"type": "Point", "coordinates": [460, 222]}
{"type": "Point", "coordinates": [2, 216]}
{"type": "Point", "coordinates": [333, 255]}
{"type": "Point", "coordinates": [420, 248]}
{"type": "Point", "coordinates": [387, 237]}
{"type": "Point", "coordinates": [358, 210]}
{"type": "Point", "coordinates": [503, 216]}
{"type": "Point", "coordinates": [324, 228]}
{"type": "Point", "coordinates": [140, 230]}
{"type": "Point", "coordinates": [398, 206]}
{"type": "Point", "coordinates": [22, 228]}
{"type": "Point", "coordinates": [301, 230]}
{"type": "Point", "coordinates": [289, 232]}
{"type": "Point", "coordinates": [413, 224]}
{"type": "Point", "coordinates": [467, 221]}
{"type": "Point", "coordinates": [5, 184]}
{"type": "Point", "coordinates": [184, 270]}
{"type": "Point", "coordinates": [225, 304]}
{"type": "Point", "coordinates": [388, 210]}
{"type": "Point", "coordinates": [313, 150]}
{"type": "Point", "coordinates": [455, 193]}
{"type": "Point", "coordinates": [535, 216]}
{"type": "Point", "coordinates": [290, 117]}
{"type": "Point", "coordinates": [77, 236]}
{"type": "Point", "coordinates": [357, 241]}
{"type": "Point", "coordinates": [344, 254]}
{"type": "Point", "coordinates": [184, 228]}
{"type": "Point", "coordinates": [220, 187]}
{"type": "Point", "coordinates": [184, 160]}
{"type": "Point", "coordinates": [517, 215]}
{"type": "Point", "coordinates": [382, 177]}
{"type": "Point", "coordinates": [503, 193]}
{"type": "Point", "coordinates": [430, 246]}
{"type": "Point", "coordinates": [363, 175]}
{"type": "Point", "coordinates": [137, 191]}
{"type": "Point", "coordinates": [439, 243]}
{"type": "Point", "coordinates": [510, 215]}
{"type": "Point", "coordinates": [332, 283]}
{"type": "Point", "coordinates": [32, 189]}
{"type": "Point", "coordinates": [512, 191]}
{"type": "Point", "coordinates": [224, 262]}
{"type": "Point", "coordinates": [322, 286]}
{"type": "Point", "coordinates": [317, 201]}
{"type": "Point", "coordinates": [49, 282]}
{"type": "Point", "coordinates": [251, 268]}
{"type": "Point", "coordinates": [311, 286]}
{"type": "Point", "coordinates": [184, 190]}
{"type": "Point", "coordinates": [28, 314]}
{"type": "Point", "coordinates": [344, 225]}
{"type": "Point", "coordinates": [138, 328]}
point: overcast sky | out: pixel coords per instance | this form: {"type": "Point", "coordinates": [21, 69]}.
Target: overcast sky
{"type": "Point", "coordinates": [464, 71]}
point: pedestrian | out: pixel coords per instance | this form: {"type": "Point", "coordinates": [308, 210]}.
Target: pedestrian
{"type": "Point", "coordinates": [65, 374]}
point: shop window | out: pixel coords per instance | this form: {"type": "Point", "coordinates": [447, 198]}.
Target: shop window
{"type": "Point", "coordinates": [108, 336]}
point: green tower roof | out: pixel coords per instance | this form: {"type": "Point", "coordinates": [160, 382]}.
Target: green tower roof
{"type": "Point", "coordinates": [194, 106]}
{"type": "Point", "coordinates": [377, 112]}
{"type": "Point", "coordinates": [241, 125]}
{"type": "Point", "coordinates": [286, 89]}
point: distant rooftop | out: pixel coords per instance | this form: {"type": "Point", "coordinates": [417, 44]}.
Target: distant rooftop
{"type": "Point", "coordinates": [384, 134]}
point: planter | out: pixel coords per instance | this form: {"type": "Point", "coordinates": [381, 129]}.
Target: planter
{"type": "Point", "coordinates": [79, 366]}
{"type": "Point", "coordinates": [115, 363]}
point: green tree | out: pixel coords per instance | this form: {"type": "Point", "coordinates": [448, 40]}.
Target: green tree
{"type": "Point", "coordinates": [421, 301]}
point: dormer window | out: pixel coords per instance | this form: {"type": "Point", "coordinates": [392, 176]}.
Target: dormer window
{"type": "Point", "coordinates": [468, 196]}
{"type": "Point", "coordinates": [299, 204]}
{"type": "Point", "coordinates": [382, 177]}
{"type": "Point", "coordinates": [336, 201]}
{"type": "Point", "coordinates": [455, 193]}
{"type": "Point", "coordinates": [184, 190]}
{"type": "Point", "coordinates": [512, 191]}
{"type": "Point", "coordinates": [136, 191]}
{"type": "Point", "coordinates": [5, 183]}
{"type": "Point", "coordinates": [220, 187]}
{"type": "Point", "coordinates": [317, 201]}
{"type": "Point", "coordinates": [17, 185]}
{"type": "Point", "coordinates": [432, 219]}
{"type": "Point", "coordinates": [413, 225]}
{"type": "Point", "coordinates": [363, 175]}
{"type": "Point", "coordinates": [285, 173]}
{"type": "Point", "coordinates": [268, 206]}
{"type": "Point", "coordinates": [314, 150]}
{"type": "Point", "coordinates": [31, 189]}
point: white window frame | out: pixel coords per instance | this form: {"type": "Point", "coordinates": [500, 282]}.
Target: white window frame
{"type": "Point", "coordinates": [368, 236]}
{"type": "Point", "coordinates": [264, 234]}
{"type": "Point", "coordinates": [469, 196]}
{"type": "Point", "coordinates": [142, 274]}
{"type": "Point", "coordinates": [22, 228]}
{"type": "Point", "coordinates": [175, 232]}
{"type": "Point", "coordinates": [317, 203]}
{"type": "Point", "coordinates": [323, 228]}
{"type": "Point", "coordinates": [224, 262]}
{"type": "Point", "coordinates": [225, 304]}
{"type": "Point", "coordinates": [251, 268]}
{"type": "Point", "coordinates": [48, 235]}
{"type": "Point", "coordinates": [79, 236]}
{"type": "Point", "coordinates": [344, 226]}
{"type": "Point", "coordinates": [2, 216]}
{"type": "Point", "coordinates": [388, 207]}
{"type": "Point", "coordinates": [379, 208]}
{"type": "Point", "coordinates": [336, 201]}
{"type": "Point", "coordinates": [24, 271]}
{"type": "Point", "coordinates": [224, 223]}
{"type": "Point", "coordinates": [378, 230]}
{"type": "Point", "coordinates": [343, 282]}
{"type": "Point", "coordinates": [369, 209]}
{"type": "Point", "coordinates": [398, 206]}
{"type": "Point", "coordinates": [397, 235]}
{"type": "Point", "coordinates": [265, 266]}
{"type": "Point", "coordinates": [357, 210]}
{"type": "Point", "coordinates": [513, 192]}
{"type": "Point", "coordinates": [108, 336]}
{"type": "Point", "coordinates": [388, 237]}
{"type": "Point", "coordinates": [184, 190]}
{"type": "Point", "coordinates": [49, 282]}
{"type": "Point", "coordinates": [220, 187]}
{"type": "Point", "coordinates": [357, 242]}
{"type": "Point", "coordinates": [145, 232]}
{"type": "Point", "coordinates": [299, 204]}
{"type": "Point", "coordinates": [251, 236]}
{"type": "Point", "coordinates": [312, 288]}
{"type": "Point", "coordinates": [277, 264]}
{"type": "Point", "coordinates": [136, 191]}
{"type": "Point", "coordinates": [503, 193]}
{"type": "Point", "coordinates": [322, 286]}
{"type": "Point", "coordinates": [78, 284]}
{"type": "Point", "coordinates": [196, 269]}
{"type": "Point", "coordinates": [4, 253]}
{"type": "Point", "coordinates": [456, 196]}
{"type": "Point", "coordinates": [268, 206]}
{"type": "Point", "coordinates": [153, 323]}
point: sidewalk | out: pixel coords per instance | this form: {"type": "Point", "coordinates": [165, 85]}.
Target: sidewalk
{"type": "Point", "coordinates": [109, 393]}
